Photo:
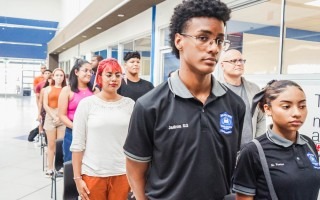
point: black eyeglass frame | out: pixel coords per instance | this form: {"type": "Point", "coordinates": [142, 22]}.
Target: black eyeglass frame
{"type": "Point", "coordinates": [225, 43]}
{"type": "Point", "coordinates": [235, 61]}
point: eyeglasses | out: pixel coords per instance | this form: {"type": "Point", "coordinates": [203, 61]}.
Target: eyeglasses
{"type": "Point", "coordinates": [205, 41]}
{"type": "Point", "coordinates": [87, 70]}
{"type": "Point", "coordinates": [235, 61]}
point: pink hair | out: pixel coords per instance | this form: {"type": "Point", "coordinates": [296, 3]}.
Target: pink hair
{"type": "Point", "coordinates": [109, 64]}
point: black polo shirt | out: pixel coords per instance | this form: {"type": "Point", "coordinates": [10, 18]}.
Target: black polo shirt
{"type": "Point", "coordinates": [294, 169]}
{"type": "Point", "coordinates": [191, 147]}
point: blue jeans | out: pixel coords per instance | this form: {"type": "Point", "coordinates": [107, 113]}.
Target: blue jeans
{"type": "Point", "coordinates": [67, 155]}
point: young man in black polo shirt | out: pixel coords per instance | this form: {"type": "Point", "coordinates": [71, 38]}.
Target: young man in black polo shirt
{"type": "Point", "coordinates": [184, 134]}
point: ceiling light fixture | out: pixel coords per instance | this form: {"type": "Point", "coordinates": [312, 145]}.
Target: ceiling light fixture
{"type": "Point", "coordinates": [21, 43]}
{"type": "Point", "coordinates": [84, 36]}
{"type": "Point", "coordinates": [313, 3]}
{"type": "Point", "coordinates": [98, 27]}
{"type": "Point", "coordinates": [27, 27]}
{"type": "Point", "coordinates": [120, 15]}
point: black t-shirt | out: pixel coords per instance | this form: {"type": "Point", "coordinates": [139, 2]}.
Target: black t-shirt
{"type": "Point", "coordinates": [191, 147]}
{"type": "Point", "coordinates": [134, 90]}
{"type": "Point", "coordinates": [294, 169]}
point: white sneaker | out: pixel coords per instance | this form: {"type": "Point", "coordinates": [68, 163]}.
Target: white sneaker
{"type": "Point", "coordinates": [36, 139]}
{"type": "Point", "coordinates": [48, 173]}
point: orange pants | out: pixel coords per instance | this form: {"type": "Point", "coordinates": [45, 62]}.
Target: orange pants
{"type": "Point", "coordinates": [107, 188]}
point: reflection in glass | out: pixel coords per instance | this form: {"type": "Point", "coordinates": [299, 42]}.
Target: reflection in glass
{"type": "Point", "coordinates": [255, 31]}
{"type": "Point", "coordinates": [302, 38]}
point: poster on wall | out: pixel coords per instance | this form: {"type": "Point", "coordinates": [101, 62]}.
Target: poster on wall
{"type": "Point", "coordinates": [311, 126]}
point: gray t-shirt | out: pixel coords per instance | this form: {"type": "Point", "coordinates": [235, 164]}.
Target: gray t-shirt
{"type": "Point", "coordinates": [247, 132]}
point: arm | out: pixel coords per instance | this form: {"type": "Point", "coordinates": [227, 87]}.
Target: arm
{"type": "Point", "coordinates": [81, 185]}
{"type": "Point", "coordinates": [37, 91]}
{"type": "Point", "coordinates": [78, 146]}
{"type": "Point", "coordinates": [63, 106]}
{"type": "Point", "coordinates": [136, 173]}
{"type": "Point", "coordinates": [243, 197]}
{"type": "Point", "coordinates": [45, 103]}
{"type": "Point", "coordinates": [40, 103]}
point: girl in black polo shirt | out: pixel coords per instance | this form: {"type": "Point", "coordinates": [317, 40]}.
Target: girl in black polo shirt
{"type": "Point", "coordinates": [292, 160]}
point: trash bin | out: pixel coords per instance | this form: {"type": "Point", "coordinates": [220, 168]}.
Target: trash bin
{"type": "Point", "coordinates": [26, 92]}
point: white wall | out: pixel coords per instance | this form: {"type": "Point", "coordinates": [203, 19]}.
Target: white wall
{"type": "Point", "coordinates": [48, 10]}
{"type": "Point", "coordinates": [134, 28]}
{"type": "Point", "coordinates": [71, 9]}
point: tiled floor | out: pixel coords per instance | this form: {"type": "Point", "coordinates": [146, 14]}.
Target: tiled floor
{"type": "Point", "coordinates": [21, 175]}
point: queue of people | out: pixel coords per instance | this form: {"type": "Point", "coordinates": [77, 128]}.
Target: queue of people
{"type": "Point", "coordinates": [190, 137]}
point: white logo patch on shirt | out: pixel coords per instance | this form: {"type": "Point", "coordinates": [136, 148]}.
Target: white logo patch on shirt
{"type": "Point", "coordinates": [313, 160]}
{"type": "Point", "coordinates": [226, 123]}
{"type": "Point", "coordinates": [277, 164]}
{"type": "Point", "coordinates": [178, 126]}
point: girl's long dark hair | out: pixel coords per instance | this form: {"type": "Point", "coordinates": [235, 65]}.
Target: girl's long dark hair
{"type": "Point", "coordinates": [73, 78]}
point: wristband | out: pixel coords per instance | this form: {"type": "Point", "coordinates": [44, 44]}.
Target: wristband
{"type": "Point", "coordinates": [79, 177]}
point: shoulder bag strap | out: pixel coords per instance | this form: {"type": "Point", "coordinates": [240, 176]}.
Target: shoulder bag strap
{"type": "Point", "coordinates": [265, 169]}
{"type": "Point", "coordinates": [311, 149]}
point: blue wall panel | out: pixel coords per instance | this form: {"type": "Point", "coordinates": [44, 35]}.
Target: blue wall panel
{"type": "Point", "coordinates": [23, 51]}
{"type": "Point", "coordinates": [25, 35]}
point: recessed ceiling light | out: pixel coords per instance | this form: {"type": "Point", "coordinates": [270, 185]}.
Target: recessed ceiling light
{"type": "Point", "coordinates": [63, 48]}
{"type": "Point", "coordinates": [313, 3]}
{"type": "Point", "coordinates": [84, 36]}
{"type": "Point", "coordinates": [98, 27]}
{"type": "Point", "coordinates": [120, 15]}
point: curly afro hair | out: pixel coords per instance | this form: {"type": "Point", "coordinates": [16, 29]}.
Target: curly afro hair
{"type": "Point", "coordinates": [195, 8]}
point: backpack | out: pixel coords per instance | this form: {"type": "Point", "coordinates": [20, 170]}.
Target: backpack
{"type": "Point", "coordinates": [33, 133]}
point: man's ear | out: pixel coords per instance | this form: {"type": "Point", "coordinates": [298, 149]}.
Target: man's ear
{"type": "Point", "coordinates": [221, 65]}
{"type": "Point", "coordinates": [178, 41]}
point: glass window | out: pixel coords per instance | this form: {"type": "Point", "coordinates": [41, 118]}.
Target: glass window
{"type": "Point", "coordinates": [114, 51]}
{"type": "Point", "coordinates": [165, 41]}
{"type": "Point", "coordinates": [143, 46]}
{"type": "Point", "coordinates": [170, 63]}
{"type": "Point", "coordinates": [301, 48]}
{"type": "Point", "coordinates": [255, 31]}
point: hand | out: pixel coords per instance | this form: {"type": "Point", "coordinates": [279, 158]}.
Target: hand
{"type": "Point", "coordinates": [131, 195]}
{"type": "Point", "coordinates": [82, 189]}
{"type": "Point", "coordinates": [56, 121]}
{"type": "Point", "coordinates": [39, 118]}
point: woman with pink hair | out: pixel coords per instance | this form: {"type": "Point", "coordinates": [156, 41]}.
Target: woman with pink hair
{"type": "Point", "coordinates": [100, 127]}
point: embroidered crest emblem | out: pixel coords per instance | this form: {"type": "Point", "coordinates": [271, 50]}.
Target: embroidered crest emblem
{"type": "Point", "coordinates": [226, 123]}
{"type": "Point", "coordinates": [313, 160]}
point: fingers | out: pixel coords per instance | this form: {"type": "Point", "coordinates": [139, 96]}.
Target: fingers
{"type": "Point", "coordinates": [84, 196]}
{"type": "Point", "coordinates": [86, 189]}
